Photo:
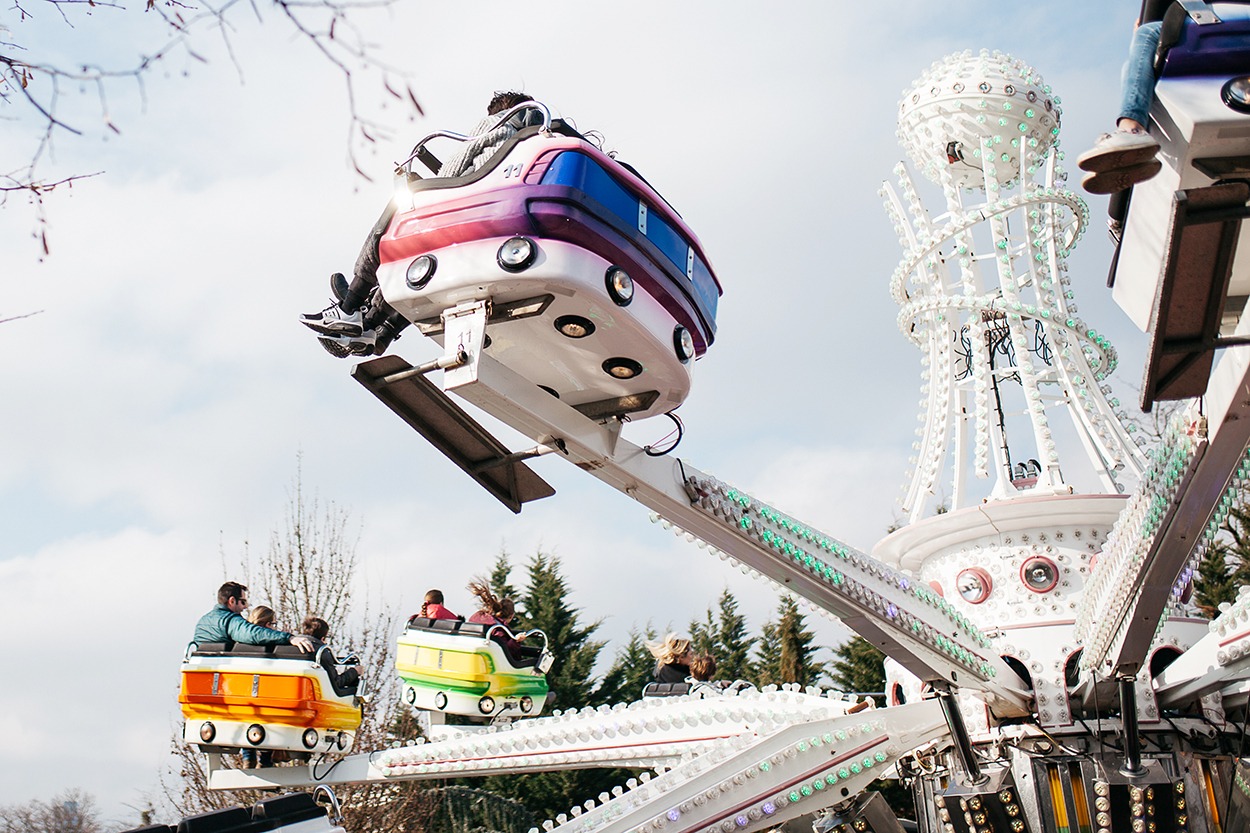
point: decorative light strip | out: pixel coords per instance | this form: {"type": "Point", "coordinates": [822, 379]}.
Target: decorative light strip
{"type": "Point", "coordinates": [1111, 594]}
{"type": "Point", "coordinates": [656, 729]}
{"type": "Point", "coordinates": [858, 579]}
{"type": "Point", "coordinates": [769, 781]}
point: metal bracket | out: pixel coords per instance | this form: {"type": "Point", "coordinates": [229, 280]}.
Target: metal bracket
{"type": "Point", "coordinates": [464, 328]}
{"type": "Point", "coordinates": [1201, 13]}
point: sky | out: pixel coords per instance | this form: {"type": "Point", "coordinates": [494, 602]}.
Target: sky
{"type": "Point", "coordinates": [155, 411]}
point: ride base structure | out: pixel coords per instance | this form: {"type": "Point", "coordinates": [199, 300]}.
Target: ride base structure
{"type": "Point", "coordinates": [1046, 669]}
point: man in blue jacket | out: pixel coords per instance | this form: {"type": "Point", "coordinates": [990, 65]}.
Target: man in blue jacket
{"type": "Point", "coordinates": [225, 623]}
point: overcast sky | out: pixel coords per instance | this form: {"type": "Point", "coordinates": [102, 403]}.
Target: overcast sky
{"type": "Point", "coordinates": [154, 409]}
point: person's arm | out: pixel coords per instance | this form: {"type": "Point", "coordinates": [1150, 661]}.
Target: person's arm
{"type": "Point", "coordinates": [241, 630]}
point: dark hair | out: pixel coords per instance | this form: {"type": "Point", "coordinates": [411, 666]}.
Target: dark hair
{"type": "Point", "coordinates": [703, 667]}
{"type": "Point", "coordinates": [315, 626]}
{"type": "Point", "coordinates": [506, 100]}
{"type": "Point", "coordinates": [432, 597]}
{"type": "Point", "coordinates": [230, 590]}
{"type": "Point", "coordinates": [492, 605]}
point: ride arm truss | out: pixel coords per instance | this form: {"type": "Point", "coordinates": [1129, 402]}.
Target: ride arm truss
{"type": "Point", "coordinates": [909, 622]}
{"type": "Point", "coordinates": [1177, 510]}
{"type": "Point", "coordinates": [751, 758]}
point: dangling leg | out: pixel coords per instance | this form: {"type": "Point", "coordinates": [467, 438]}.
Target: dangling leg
{"type": "Point", "coordinates": [344, 318]}
{"type": "Point", "coordinates": [1126, 157]}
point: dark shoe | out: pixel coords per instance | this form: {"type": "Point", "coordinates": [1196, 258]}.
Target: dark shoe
{"type": "Point", "coordinates": [343, 346]}
{"type": "Point", "coordinates": [332, 321]}
{"type": "Point", "coordinates": [1113, 181]}
{"type": "Point", "coordinates": [338, 286]}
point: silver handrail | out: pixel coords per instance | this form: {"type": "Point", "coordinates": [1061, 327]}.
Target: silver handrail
{"type": "Point", "coordinates": [336, 817]}
{"type": "Point", "coordinates": [406, 165]}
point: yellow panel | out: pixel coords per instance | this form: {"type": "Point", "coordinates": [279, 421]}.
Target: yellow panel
{"type": "Point", "coordinates": [1057, 802]}
{"type": "Point", "coordinates": [1212, 803]}
{"type": "Point", "coordinates": [422, 660]}
{"type": "Point", "coordinates": [1083, 820]}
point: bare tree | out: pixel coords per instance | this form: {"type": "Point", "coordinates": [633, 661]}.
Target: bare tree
{"type": "Point", "coordinates": [310, 567]}
{"type": "Point", "coordinates": [39, 85]}
{"type": "Point", "coordinates": [69, 811]}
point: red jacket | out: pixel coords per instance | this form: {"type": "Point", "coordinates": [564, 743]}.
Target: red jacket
{"type": "Point", "coordinates": [436, 611]}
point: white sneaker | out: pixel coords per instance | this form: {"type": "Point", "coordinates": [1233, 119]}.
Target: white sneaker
{"type": "Point", "coordinates": [1117, 179]}
{"type": "Point", "coordinates": [332, 321]}
{"type": "Point", "coordinates": [1121, 149]}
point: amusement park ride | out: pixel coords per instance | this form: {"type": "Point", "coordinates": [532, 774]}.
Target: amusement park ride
{"type": "Point", "coordinates": [1045, 672]}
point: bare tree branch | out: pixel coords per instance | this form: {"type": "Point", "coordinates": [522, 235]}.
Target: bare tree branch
{"type": "Point", "coordinates": [35, 89]}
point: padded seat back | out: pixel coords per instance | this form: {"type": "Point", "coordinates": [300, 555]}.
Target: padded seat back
{"type": "Point", "coordinates": [665, 689]}
{"type": "Point", "coordinates": [238, 649]}
{"type": "Point", "coordinates": [456, 626]}
{"type": "Point", "coordinates": [230, 820]}
{"type": "Point", "coordinates": [288, 809]}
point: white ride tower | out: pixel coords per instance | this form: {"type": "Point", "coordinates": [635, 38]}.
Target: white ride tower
{"type": "Point", "coordinates": [985, 294]}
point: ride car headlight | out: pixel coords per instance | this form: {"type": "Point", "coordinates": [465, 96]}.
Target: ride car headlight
{"type": "Point", "coordinates": [420, 271]}
{"type": "Point", "coordinates": [683, 343]}
{"type": "Point", "coordinates": [517, 254]}
{"type": "Point", "coordinates": [1236, 94]}
{"type": "Point", "coordinates": [620, 286]}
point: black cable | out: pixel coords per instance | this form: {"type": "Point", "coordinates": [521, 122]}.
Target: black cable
{"type": "Point", "coordinates": [325, 774]}
{"type": "Point", "coordinates": [1241, 748]}
{"type": "Point", "coordinates": [680, 430]}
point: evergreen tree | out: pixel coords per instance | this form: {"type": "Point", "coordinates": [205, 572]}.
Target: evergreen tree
{"type": "Point", "coordinates": [724, 636]}
{"type": "Point", "coordinates": [785, 652]}
{"type": "Point", "coordinates": [858, 666]}
{"type": "Point", "coordinates": [1226, 566]}
{"type": "Point", "coordinates": [630, 671]}
{"type": "Point", "coordinates": [500, 575]}
{"type": "Point", "coordinates": [547, 608]}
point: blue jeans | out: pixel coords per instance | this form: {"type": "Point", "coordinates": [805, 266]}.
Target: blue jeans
{"type": "Point", "coordinates": [1138, 78]}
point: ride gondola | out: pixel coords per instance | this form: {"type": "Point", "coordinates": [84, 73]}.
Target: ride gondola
{"type": "Point", "coordinates": [598, 291]}
{"type": "Point", "coordinates": [236, 696]}
{"type": "Point", "coordinates": [475, 670]}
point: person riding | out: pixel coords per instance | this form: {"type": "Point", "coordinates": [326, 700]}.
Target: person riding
{"type": "Point", "coordinates": [496, 611]}
{"type": "Point", "coordinates": [352, 326]}
{"type": "Point", "coordinates": [344, 682]}
{"type": "Point", "coordinates": [225, 623]}
{"type": "Point", "coordinates": [432, 607]}
{"type": "Point", "coordinates": [262, 615]}
{"type": "Point", "coordinates": [672, 659]}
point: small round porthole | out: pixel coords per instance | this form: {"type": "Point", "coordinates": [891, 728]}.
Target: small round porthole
{"type": "Point", "coordinates": [1039, 574]}
{"type": "Point", "coordinates": [974, 585]}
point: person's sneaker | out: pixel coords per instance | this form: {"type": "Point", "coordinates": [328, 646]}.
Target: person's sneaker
{"type": "Point", "coordinates": [338, 286]}
{"type": "Point", "coordinates": [1121, 149]}
{"type": "Point", "coordinates": [332, 321]}
{"type": "Point", "coordinates": [343, 346]}
{"type": "Point", "coordinates": [1113, 181]}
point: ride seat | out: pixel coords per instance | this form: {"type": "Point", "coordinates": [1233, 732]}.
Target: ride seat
{"type": "Point", "coordinates": [230, 820]}
{"type": "Point", "coordinates": [289, 809]}
{"type": "Point", "coordinates": [665, 689]}
{"type": "Point", "coordinates": [239, 649]}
